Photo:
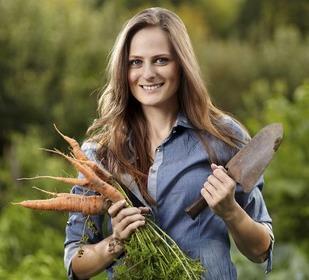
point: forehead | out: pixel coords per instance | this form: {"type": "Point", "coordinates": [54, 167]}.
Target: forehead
{"type": "Point", "coordinates": [150, 41]}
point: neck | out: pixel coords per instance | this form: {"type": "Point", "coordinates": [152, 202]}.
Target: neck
{"type": "Point", "coordinates": [159, 124]}
{"type": "Point", "coordinates": [159, 120]}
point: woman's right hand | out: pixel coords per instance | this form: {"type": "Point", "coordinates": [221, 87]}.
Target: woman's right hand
{"type": "Point", "coordinates": [125, 220]}
{"type": "Point", "coordinates": [98, 256]}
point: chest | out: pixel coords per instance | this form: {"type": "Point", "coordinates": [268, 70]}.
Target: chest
{"type": "Point", "coordinates": [181, 166]}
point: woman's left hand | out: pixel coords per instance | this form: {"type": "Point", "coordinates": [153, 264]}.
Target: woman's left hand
{"type": "Point", "coordinates": [219, 192]}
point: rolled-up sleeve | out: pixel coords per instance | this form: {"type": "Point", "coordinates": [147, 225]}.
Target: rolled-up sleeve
{"type": "Point", "coordinates": [255, 206]}
{"type": "Point", "coordinates": [81, 229]}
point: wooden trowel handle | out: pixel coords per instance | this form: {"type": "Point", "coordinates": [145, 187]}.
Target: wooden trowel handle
{"type": "Point", "coordinates": [196, 208]}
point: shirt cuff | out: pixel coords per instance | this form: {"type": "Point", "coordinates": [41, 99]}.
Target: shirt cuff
{"type": "Point", "coordinates": [69, 252]}
{"type": "Point", "coordinates": [269, 257]}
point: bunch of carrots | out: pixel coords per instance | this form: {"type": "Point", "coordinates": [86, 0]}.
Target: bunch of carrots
{"type": "Point", "coordinates": [149, 253]}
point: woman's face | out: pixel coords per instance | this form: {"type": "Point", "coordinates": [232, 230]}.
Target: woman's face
{"type": "Point", "coordinates": [153, 74]}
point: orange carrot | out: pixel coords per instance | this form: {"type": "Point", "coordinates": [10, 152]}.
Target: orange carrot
{"type": "Point", "coordinates": [91, 179]}
{"type": "Point", "coordinates": [70, 181]}
{"type": "Point", "coordinates": [95, 183]}
{"type": "Point", "coordinates": [88, 205]}
{"type": "Point", "coordinates": [99, 170]}
{"type": "Point", "coordinates": [51, 193]}
{"type": "Point", "coordinates": [78, 153]}
{"type": "Point", "coordinates": [57, 194]}
{"type": "Point", "coordinates": [85, 167]}
{"type": "Point", "coordinates": [95, 178]}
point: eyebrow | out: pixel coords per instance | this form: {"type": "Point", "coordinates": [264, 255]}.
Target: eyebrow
{"type": "Point", "coordinates": [155, 56]}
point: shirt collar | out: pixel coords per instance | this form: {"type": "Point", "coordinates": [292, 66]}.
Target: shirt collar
{"type": "Point", "coordinates": [182, 121]}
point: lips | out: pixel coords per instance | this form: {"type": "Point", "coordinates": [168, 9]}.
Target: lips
{"type": "Point", "coordinates": [151, 87]}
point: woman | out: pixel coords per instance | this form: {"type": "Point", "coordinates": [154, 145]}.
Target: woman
{"type": "Point", "coordinates": [159, 134]}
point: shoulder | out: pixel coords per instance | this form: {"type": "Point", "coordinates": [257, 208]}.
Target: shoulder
{"type": "Point", "coordinates": [90, 149]}
{"type": "Point", "coordinates": [235, 131]}
{"type": "Point", "coordinates": [235, 128]}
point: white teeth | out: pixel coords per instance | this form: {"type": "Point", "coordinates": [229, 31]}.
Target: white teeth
{"type": "Point", "coordinates": [152, 87]}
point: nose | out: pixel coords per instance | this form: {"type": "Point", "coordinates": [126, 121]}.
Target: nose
{"type": "Point", "coordinates": [149, 71]}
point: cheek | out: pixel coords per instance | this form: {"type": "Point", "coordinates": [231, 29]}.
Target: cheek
{"type": "Point", "coordinates": [172, 73]}
{"type": "Point", "coordinates": [173, 77]}
{"type": "Point", "coordinates": [132, 77]}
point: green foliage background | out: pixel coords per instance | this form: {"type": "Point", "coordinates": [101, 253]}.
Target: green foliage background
{"type": "Point", "coordinates": [254, 56]}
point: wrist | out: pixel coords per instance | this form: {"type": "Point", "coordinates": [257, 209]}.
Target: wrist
{"type": "Point", "coordinates": [109, 248]}
{"type": "Point", "coordinates": [234, 214]}
{"type": "Point", "coordinates": [115, 245]}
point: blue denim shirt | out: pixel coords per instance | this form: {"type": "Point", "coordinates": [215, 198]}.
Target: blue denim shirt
{"type": "Point", "coordinates": [180, 168]}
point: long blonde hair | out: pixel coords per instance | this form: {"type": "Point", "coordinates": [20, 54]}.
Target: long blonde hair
{"type": "Point", "coordinates": [121, 127]}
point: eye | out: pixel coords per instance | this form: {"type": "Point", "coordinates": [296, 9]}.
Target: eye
{"type": "Point", "coordinates": [135, 62]}
{"type": "Point", "coordinates": [162, 60]}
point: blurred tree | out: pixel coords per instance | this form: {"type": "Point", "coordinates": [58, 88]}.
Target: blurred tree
{"type": "Point", "coordinates": [25, 158]}
{"type": "Point", "coordinates": [288, 175]}
{"type": "Point", "coordinates": [286, 181]}
{"type": "Point", "coordinates": [259, 19]}
{"type": "Point", "coordinates": [52, 60]}
{"type": "Point", "coordinates": [28, 242]}
{"type": "Point", "coordinates": [220, 15]}
{"type": "Point", "coordinates": [30, 236]}
{"type": "Point", "coordinates": [232, 66]}
{"type": "Point", "coordinates": [288, 263]}
{"type": "Point", "coordinates": [51, 56]}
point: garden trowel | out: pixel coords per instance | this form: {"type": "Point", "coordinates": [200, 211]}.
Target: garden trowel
{"type": "Point", "coordinates": [249, 163]}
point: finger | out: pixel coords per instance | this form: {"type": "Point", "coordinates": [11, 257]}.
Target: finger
{"type": "Point", "coordinates": [222, 175]}
{"type": "Point", "coordinates": [214, 181]}
{"type": "Point", "coordinates": [125, 212]}
{"type": "Point", "coordinates": [213, 192]}
{"type": "Point", "coordinates": [216, 167]}
{"type": "Point", "coordinates": [144, 210]}
{"type": "Point", "coordinates": [213, 166]}
{"type": "Point", "coordinates": [131, 228]}
{"type": "Point", "coordinates": [124, 223]}
{"type": "Point", "coordinates": [207, 196]}
{"type": "Point", "coordinates": [116, 207]}
{"type": "Point", "coordinates": [209, 186]}
{"type": "Point", "coordinates": [120, 226]}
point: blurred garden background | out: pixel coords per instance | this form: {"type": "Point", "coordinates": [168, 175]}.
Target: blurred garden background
{"type": "Point", "coordinates": [254, 56]}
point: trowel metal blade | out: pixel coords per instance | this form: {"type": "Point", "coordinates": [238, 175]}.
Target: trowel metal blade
{"type": "Point", "coordinates": [248, 165]}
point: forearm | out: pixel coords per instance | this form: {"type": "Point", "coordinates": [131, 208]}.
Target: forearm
{"type": "Point", "coordinates": [251, 238]}
{"type": "Point", "coordinates": [95, 258]}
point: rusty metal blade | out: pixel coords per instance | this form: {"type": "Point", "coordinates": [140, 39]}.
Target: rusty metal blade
{"type": "Point", "coordinates": [248, 165]}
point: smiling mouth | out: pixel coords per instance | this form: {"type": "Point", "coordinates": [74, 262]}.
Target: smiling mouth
{"type": "Point", "coordinates": [151, 87]}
